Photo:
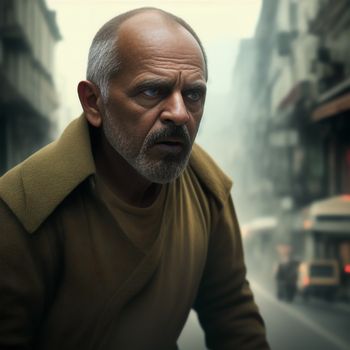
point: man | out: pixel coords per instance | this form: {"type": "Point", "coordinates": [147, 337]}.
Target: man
{"type": "Point", "coordinates": [112, 233]}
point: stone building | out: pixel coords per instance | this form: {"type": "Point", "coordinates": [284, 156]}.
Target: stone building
{"type": "Point", "coordinates": [297, 121]}
{"type": "Point", "coordinates": [28, 33]}
{"type": "Point", "coordinates": [251, 114]}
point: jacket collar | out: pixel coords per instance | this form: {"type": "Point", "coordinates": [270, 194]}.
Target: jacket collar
{"type": "Point", "coordinates": [34, 188]}
{"type": "Point", "coordinates": [210, 174]}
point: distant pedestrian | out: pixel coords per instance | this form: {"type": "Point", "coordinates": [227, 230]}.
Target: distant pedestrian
{"type": "Point", "coordinates": [286, 279]}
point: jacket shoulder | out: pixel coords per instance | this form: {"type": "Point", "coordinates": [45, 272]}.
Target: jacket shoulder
{"type": "Point", "coordinates": [14, 192]}
{"type": "Point", "coordinates": [34, 188]}
{"type": "Point", "coordinates": [210, 174]}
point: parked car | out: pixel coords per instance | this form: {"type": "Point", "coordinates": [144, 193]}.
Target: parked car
{"type": "Point", "coordinates": [320, 278]}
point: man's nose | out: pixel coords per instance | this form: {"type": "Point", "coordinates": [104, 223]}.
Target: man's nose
{"type": "Point", "coordinates": [174, 110]}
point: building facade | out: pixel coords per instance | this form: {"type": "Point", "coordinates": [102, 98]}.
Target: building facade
{"type": "Point", "coordinates": [28, 33]}
{"type": "Point", "coordinates": [298, 115]}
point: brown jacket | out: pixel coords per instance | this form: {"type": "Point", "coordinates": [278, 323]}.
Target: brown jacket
{"type": "Point", "coordinates": [64, 290]}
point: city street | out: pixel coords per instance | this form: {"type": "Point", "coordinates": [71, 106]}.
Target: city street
{"type": "Point", "coordinates": [266, 83]}
{"type": "Point", "coordinates": [298, 325]}
{"type": "Point", "coordinates": [303, 326]}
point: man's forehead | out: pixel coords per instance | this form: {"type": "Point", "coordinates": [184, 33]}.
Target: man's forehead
{"type": "Point", "coordinates": [152, 35]}
{"type": "Point", "coordinates": [154, 29]}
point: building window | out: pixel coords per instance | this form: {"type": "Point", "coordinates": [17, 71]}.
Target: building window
{"type": "Point", "coordinates": [3, 148]}
{"type": "Point", "coordinates": [293, 15]}
{"type": "Point", "coordinates": [346, 171]}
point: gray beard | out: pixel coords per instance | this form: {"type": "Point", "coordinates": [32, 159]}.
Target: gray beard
{"type": "Point", "coordinates": [161, 171]}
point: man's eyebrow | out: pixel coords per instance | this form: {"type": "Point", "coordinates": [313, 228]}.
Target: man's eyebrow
{"type": "Point", "coordinates": [167, 83]}
{"type": "Point", "coordinates": [154, 82]}
{"type": "Point", "coordinates": [165, 86]}
{"type": "Point", "coordinates": [196, 86]}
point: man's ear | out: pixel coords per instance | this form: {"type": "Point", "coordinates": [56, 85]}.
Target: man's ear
{"type": "Point", "coordinates": [90, 96]}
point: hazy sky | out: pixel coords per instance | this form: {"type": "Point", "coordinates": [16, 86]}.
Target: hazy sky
{"type": "Point", "coordinates": [219, 24]}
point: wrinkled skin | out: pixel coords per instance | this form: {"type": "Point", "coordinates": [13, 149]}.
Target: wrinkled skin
{"type": "Point", "coordinates": [156, 101]}
{"type": "Point", "coordinates": [147, 124]}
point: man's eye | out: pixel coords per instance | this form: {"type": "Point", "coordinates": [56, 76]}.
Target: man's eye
{"type": "Point", "coordinates": [194, 95]}
{"type": "Point", "coordinates": [151, 92]}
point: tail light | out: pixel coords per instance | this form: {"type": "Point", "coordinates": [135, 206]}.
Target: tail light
{"type": "Point", "coordinates": [347, 268]}
{"type": "Point", "coordinates": [346, 197]}
{"type": "Point", "coordinates": [306, 281]}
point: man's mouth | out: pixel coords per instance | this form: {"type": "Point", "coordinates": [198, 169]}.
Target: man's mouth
{"type": "Point", "coordinates": [171, 141]}
{"type": "Point", "coordinates": [170, 145]}
{"type": "Point", "coordinates": [174, 140]}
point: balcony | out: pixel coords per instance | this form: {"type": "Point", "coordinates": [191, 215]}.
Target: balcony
{"type": "Point", "coordinates": [25, 85]}
{"type": "Point", "coordinates": [331, 16]}
{"type": "Point", "coordinates": [29, 26]}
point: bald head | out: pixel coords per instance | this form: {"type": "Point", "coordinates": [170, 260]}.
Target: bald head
{"type": "Point", "coordinates": [160, 39]}
{"type": "Point", "coordinates": [127, 30]}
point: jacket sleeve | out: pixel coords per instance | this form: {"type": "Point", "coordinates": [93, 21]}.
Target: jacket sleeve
{"type": "Point", "coordinates": [225, 304]}
{"type": "Point", "coordinates": [25, 266]}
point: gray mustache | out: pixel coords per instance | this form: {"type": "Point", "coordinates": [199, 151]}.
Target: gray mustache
{"type": "Point", "coordinates": [178, 131]}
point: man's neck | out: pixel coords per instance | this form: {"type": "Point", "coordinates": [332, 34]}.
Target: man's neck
{"type": "Point", "coordinates": [120, 176]}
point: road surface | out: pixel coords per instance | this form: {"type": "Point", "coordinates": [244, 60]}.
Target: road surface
{"type": "Point", "coordinates": [298, 325]}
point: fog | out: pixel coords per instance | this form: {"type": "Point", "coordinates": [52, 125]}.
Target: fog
{"type": "Point", "coordinates": [276, 120]}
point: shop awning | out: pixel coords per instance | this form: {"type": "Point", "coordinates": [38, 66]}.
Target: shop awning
{"type": "Point", "coordinates": [260, 225]}
{"type": "Point", "coordinates": [332, 108]}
